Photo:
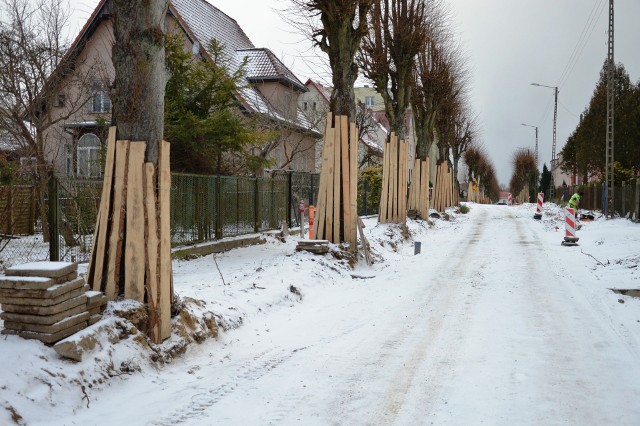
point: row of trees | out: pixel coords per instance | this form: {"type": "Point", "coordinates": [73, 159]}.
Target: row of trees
{"type": "Point", "coordinates": [584, 152]}
{"type": "Point", "coordinates": [407, 49]}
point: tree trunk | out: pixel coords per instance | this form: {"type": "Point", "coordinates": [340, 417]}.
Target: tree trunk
{"type": "Point", "coordinates": [139, 62]}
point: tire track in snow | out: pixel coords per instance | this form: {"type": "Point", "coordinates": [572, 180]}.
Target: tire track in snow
{"type": "Point", "coordinates": [260, 365]}
{"type": "Point", "coordinates": [442, 296]}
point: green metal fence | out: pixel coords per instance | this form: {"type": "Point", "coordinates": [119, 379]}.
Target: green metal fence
{"type": "Point", "coordinates": [205, 208]}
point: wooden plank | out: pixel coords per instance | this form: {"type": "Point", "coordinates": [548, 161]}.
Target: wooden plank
{"type": "Point", "coordinates": [346, 174]}
{"type": "Point", "coordinates": [353, 182]}
{"type": "Point", "coordinates": [96, 268]}
{"type": "Point", "coordinates": [336, 181]}
{"type": "Point", "coordinates": [384, 193]}
{"type": "Point", "coordinates": [117, 221]}
{"type": "Point", "coordinates": [403, 182]}
{"type": "Point", "coordinates": [365, 248]}
{"type": "Point", "coordinates": [321, 203]}
{"type": "Point", "coordinates": [436, 189]}
{"type": "Point", "coordinates": [393, 196]}
{"type": "Point", "coordinates": [134, 246]}
{"type": "Point", "coordinates": [321, 212]}
{"type": "Point", "coordinates": [328, 231]}
{"type": "Point", "coordinates": [164, 204]}
{"type": "Point", "coordinates": [427, 178]}
{"type": "Point", "coordinates": [152, 277]}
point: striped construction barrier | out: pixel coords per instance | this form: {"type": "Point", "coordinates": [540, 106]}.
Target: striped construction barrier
{"type": "Point", "coordinates": [538, 214]}
{"type": "Point", "coordinates": [509, 200]}
{"type": "Point", "coordinates": [570, 227]}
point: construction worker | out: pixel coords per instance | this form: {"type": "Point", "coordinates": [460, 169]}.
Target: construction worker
{"type": "Point", "coordinates": [574, 201]}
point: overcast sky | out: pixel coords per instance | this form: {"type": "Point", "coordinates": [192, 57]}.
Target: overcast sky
{"type": "Point", "coordinates": [509, 43]}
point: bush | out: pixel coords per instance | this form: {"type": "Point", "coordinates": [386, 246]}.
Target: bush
{"type": "Point", "coordinates": [464, 209]}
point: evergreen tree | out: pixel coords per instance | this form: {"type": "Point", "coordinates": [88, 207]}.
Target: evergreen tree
{"type": "Point", "coordinates": [545, 181]}
{"type": "Point", "coordinates": [203, 120]}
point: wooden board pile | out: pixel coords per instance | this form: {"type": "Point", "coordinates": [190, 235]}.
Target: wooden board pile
{"type": "Point", "coordinates": [134, 218]}
{"type": "Point", "coordinates": [47, 301]}
{"type": "Point", "coordinates": [445, 194]}
{"type": "Point", "coordinates": [419, 189]}
{"type": "Point", "coordinates": [337, 192]}
{"type": "Point", "coordinates": [395, 172]}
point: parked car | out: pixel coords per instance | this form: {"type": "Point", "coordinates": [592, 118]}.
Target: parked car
{"type": "Point", "coordinates": [502, 202]}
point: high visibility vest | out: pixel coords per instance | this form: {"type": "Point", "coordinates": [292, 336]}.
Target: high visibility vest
{"type": "Point", "coordinates": [574, 201]}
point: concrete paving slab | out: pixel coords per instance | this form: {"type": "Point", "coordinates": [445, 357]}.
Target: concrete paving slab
{"type": "Point", "coordinates": [42, 269]}
{"type": "Point", "coordinates": [46, 319]}
{"type": "Point", "coordinates": [49, 329]}
{"type": "Point", "coordinates": [42, 302]}
{"type": "Point", "coordinates": [46, 337]}
{"type": "Point", "coordinates": [48, 293]}
{"type": "Point", "coordinates": [46, 310]}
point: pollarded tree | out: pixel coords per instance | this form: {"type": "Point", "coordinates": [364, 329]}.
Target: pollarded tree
{"type": "Point", "coordinates": [337, 28]}
{"type": "Point", "coordinates": [132, 255]}
{"type": "Point", "coordinates": [524, 171]}
{"type": "Point", "coordinates": [398, 32]}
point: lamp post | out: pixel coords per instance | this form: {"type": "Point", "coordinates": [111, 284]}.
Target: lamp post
{"type": "Point", "coordinates": [553, 146]}
{"type": "Point", "coordinates": [535, 127]}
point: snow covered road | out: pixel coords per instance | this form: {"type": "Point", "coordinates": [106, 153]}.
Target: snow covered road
{"type": "Point", "coordinates": [492, 323]}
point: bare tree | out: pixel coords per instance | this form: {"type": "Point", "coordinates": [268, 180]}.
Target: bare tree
{"type": "Point", "coordinates": [337, 28]}
{"type": "Point", "coordinates": [398, 32]}
{"type": "Point", "coordinates": [464, 136]}
{"type": "Point", "coordinates": [368, 128]}
{"type": "Point", "coordinates": [35, 61]}
{"type": "Point", "coordinates": [430, 79]}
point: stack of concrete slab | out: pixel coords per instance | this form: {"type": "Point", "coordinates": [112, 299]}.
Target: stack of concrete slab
{"type": "Point", "coordinates": [47, 301]}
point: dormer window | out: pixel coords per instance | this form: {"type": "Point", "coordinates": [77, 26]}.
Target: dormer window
{"type": "Point", "coordinates": [369, 101]}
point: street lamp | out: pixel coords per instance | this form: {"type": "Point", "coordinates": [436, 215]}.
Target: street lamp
{"type": "Point", "coordinates": [553, 147]}
{"type": "Point", "coordinates": [535, 127]}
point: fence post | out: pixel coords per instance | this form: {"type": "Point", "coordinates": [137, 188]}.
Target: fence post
{"type": "Point", "coordinates": [311, 195]}
{"type": "Point", "coordinates": [52, 218]}
{"type": "Point", "coordinates": [624, 198]}
{"type": "Point", "coordinates": [218, 198]}
{"type": "Point", "coordinates": [289, 198]}
{"type": "Point", "coordinates": [637, 206]}
{"type": "Point", "coordinates": [365, 185]}
{"type": "Point", "coordinates": [256, 206]}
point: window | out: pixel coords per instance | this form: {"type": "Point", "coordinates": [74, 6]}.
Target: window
{"type": "Point", "coordinates": [304, 106]}
{"type": "Point", "coordinates": [89, 156]}
{"type": "Point", "coordinates": [314, 106]}
{"type": "Point", "coordinates": [100, 102]}
{"type": "Point", "coordinates": [60, 100]}
{"type": "Point", "coordinates": [369, 101]}
{"type": "Point", "coordinates": [28, 166]}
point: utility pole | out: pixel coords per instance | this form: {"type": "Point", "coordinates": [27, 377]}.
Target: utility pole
{"type": "Point", "coordinates": [552, 186]}
{"type": "Point", "coordinates": [609, 185]}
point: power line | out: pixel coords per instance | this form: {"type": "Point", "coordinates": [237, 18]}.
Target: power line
{"type": "Point", "coordinates": [594, 16]}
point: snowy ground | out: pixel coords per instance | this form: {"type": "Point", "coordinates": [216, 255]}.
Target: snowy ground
{"type": "Point", "coordinates": [494, 322]}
